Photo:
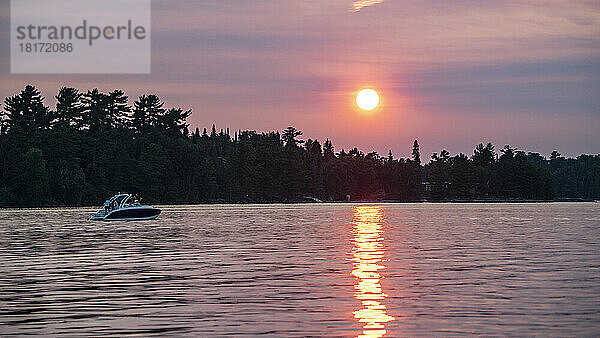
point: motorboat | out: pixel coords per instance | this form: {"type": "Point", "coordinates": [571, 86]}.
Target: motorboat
{"type": "Point", "coordinates": [125, 207]}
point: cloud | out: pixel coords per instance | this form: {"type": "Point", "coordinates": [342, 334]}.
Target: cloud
{"type": "Point", "coordinates": [540, 88]}
{"type": "Point", "coordinates": [357, 5]}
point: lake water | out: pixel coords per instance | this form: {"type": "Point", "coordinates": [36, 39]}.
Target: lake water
{"type": "Point", "coordinates": [305, 270]}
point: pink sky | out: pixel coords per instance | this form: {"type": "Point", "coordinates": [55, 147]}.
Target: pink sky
{"type": "Point", "coordinates": [450, 73]}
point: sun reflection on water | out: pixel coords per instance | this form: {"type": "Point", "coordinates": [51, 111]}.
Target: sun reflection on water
{"type": "Point", "coordinates": [368, 254]}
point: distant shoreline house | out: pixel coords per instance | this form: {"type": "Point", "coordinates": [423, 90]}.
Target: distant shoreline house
{"type": "Point", "coordinates": [430, 189]}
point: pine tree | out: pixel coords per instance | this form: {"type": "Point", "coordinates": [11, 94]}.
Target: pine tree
{"type": "Point", "coordinates": [328, 150]}
{"type": "Point", "coordinates": [555, 155]}
{"type": "Point", "coordinates": [148, 109]}
{"type": "Point", "coordinates": [26, 111]}
{"type": "Point", "coordinates": [416, 155]}
{"type": "Point", "coordinates": [289, 137]}
{"type": "Point", "coordinates": [95, 110]}
{"type": "Point", "coordinates": [118, 110]}
{"type": "Point", "coordinates": [483, 156]}
{"type": "Point", "coordinates": [68, 107]}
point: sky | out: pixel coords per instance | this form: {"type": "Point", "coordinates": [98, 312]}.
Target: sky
{"type": "Point", "coordinates": [450, 74]}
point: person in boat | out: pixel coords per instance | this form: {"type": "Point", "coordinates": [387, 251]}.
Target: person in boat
{"type": "Point", "coordinates": [107, 206]}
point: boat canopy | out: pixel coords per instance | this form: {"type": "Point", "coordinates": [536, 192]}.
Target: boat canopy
{"type": "Point", "coordinates": [123, 200]}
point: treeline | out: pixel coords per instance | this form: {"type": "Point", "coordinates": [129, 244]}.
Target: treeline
{"type": "Point", "coordinates": [94, 144]}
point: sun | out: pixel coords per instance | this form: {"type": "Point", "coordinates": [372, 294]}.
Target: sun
{"type": "Point", "coordinates": [367, 99]}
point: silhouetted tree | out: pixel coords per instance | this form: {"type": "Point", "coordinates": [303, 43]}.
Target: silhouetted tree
{"type": "Point", "coordinates": [146, 112]}
{"type": "Point", "coordinates": [26, 112]}
{"type": "Point", "coordinates": [68, 107]}
{"type": "Point", "coordinates": [554, 155]}
{"type": "Point", "coordinates": [95, 111]}
{"type": "Point", "coordinates": [289, 137]}
{"type": "Point", "coordinates": [483, 156]}
{"type": "Point", "coordinates": [416, 155]}
{"type": "Point", "coordinates": [118, 109]}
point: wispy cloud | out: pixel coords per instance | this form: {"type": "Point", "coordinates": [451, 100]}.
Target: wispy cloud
{"type": "Point", "coordinates": [357, 5]}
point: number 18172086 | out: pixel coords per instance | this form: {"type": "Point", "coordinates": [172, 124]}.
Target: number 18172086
{"type": "Point", "coordinates": [46, 47]}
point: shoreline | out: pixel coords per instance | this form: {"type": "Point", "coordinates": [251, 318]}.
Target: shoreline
{"type": "Point", "coordinates": [454, 201]}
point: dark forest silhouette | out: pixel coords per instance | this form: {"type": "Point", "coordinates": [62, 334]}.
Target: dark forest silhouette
{"type": "Point", "coordinates": [94, 144]}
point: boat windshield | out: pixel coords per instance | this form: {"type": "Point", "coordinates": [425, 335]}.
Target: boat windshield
{"type": "Point", "coordinates": [131, 201]}
{"type": "Point", "coordinates": [123, 200]}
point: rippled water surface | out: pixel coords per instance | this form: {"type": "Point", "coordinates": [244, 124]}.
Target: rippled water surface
{"type": "Point", "coordinates": [312, 269]}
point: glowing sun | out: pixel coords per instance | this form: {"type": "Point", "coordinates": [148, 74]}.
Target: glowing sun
{"type": "Point", "coordinates": [367, 99]}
